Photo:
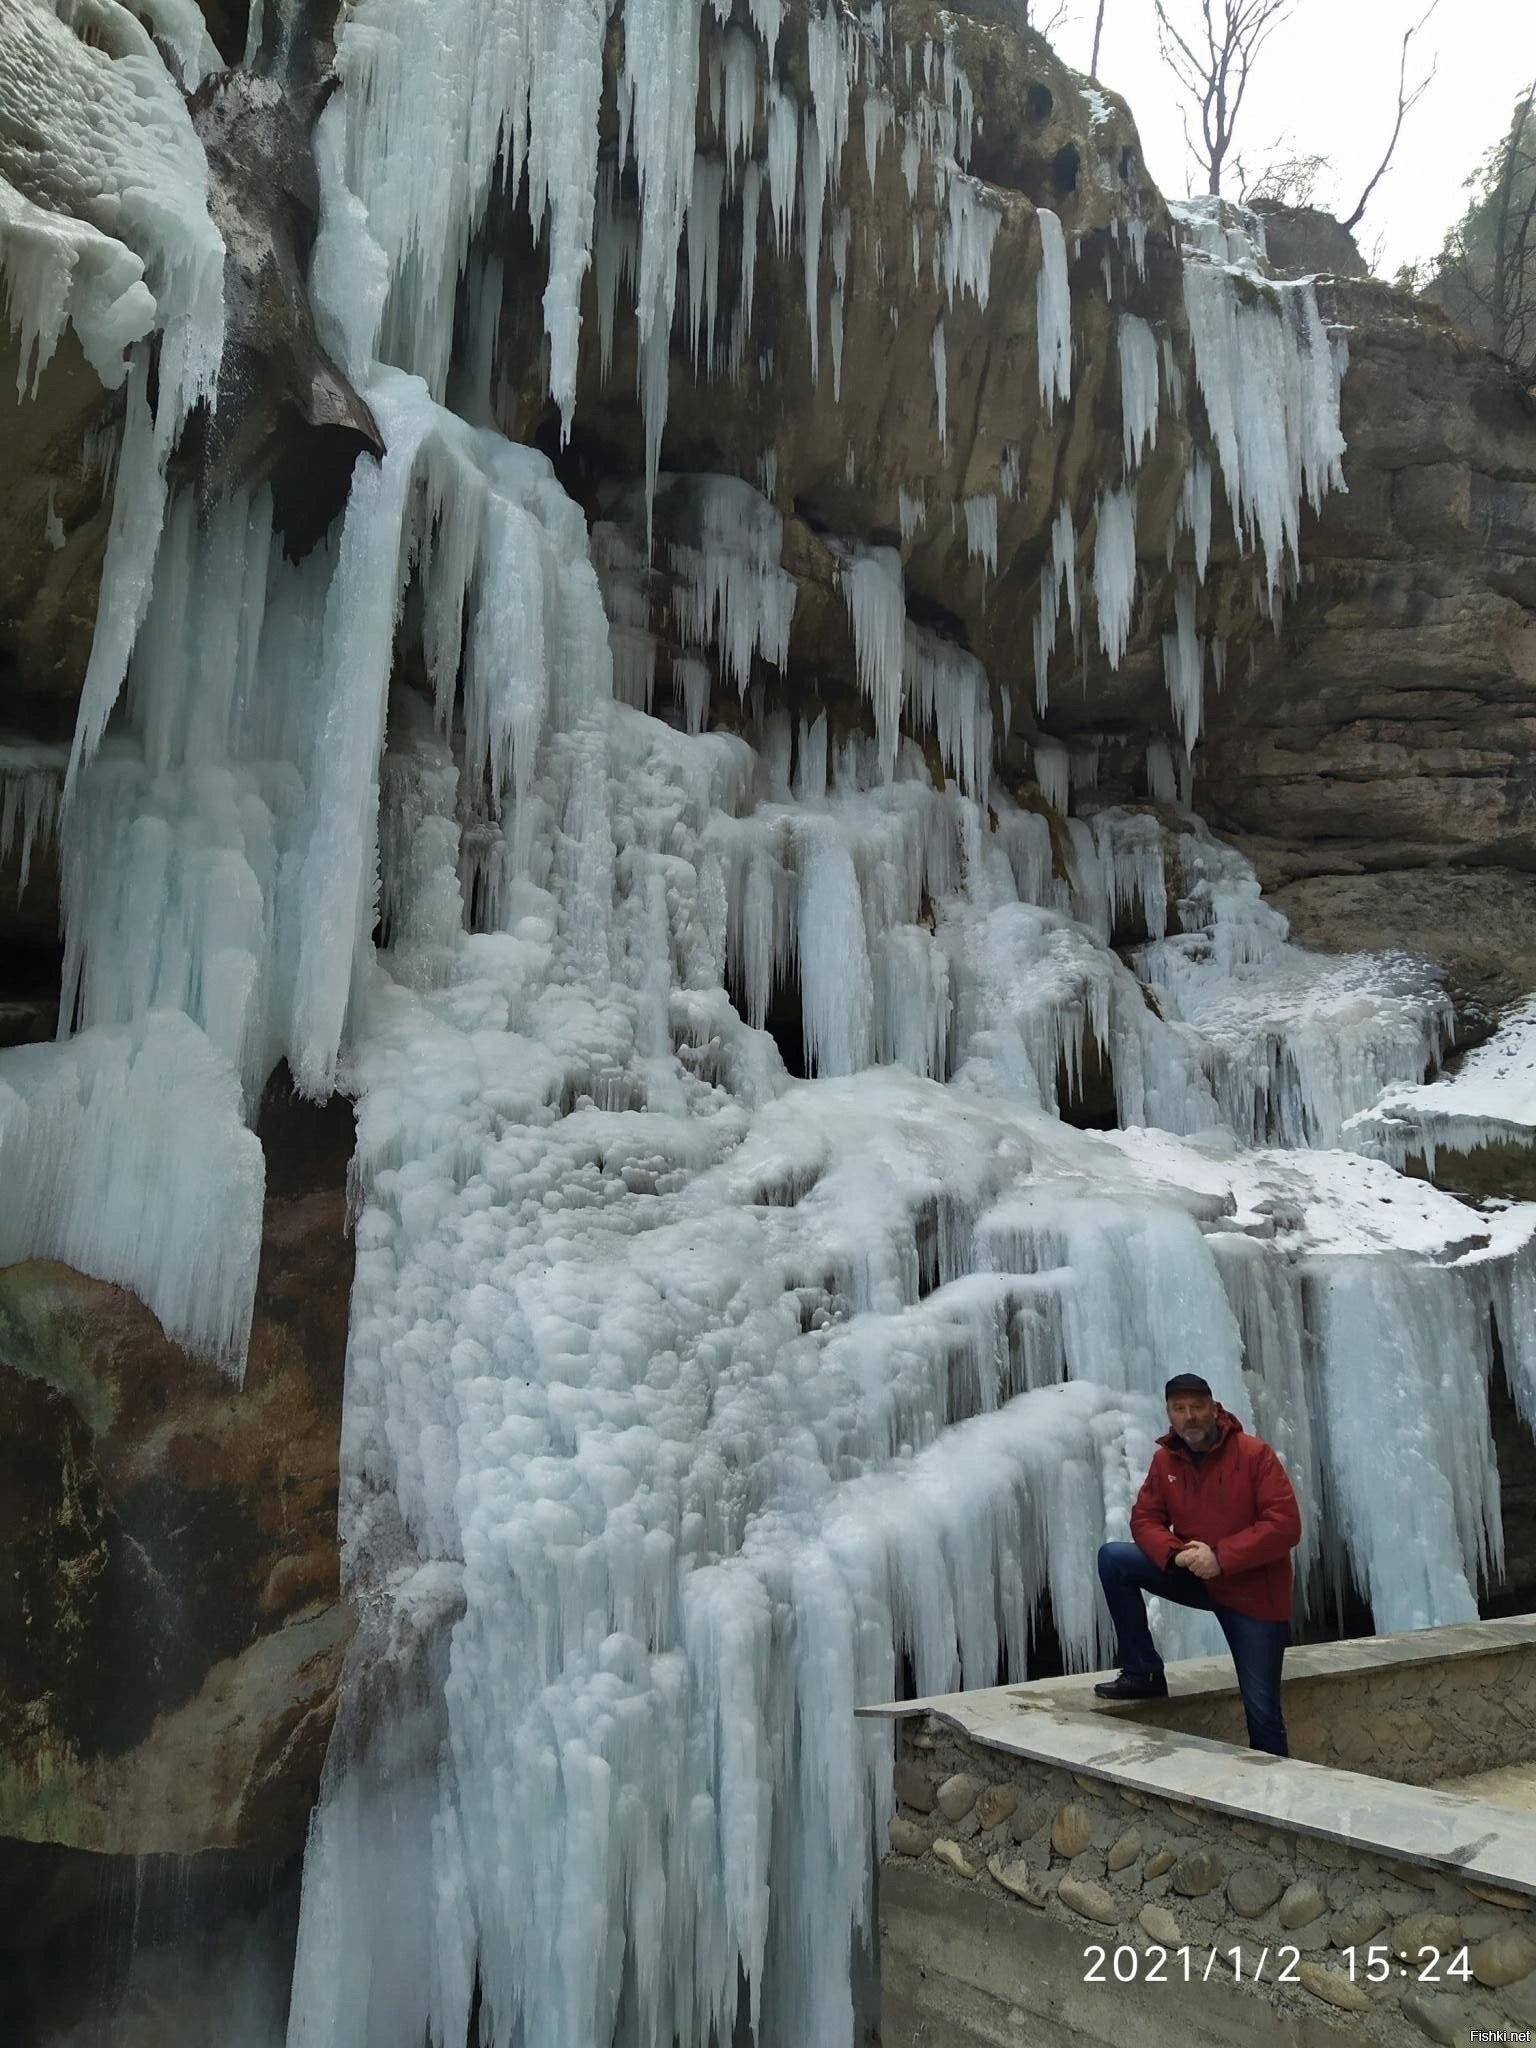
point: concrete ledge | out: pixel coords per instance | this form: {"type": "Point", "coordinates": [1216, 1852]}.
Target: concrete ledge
{"type": "Point", "coordinates": [1058, 1722]}
{"type": "Point", "coordinates": [1402, 1822]}
{"type": "Point", "coordinates": [1206, 1676]}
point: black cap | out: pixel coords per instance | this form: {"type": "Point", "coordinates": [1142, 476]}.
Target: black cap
{"type": "Point", "coordinates": [1186, 1383]}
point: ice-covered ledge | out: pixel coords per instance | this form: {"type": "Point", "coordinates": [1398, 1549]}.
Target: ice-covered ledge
{"type": "Point", "coordinates": [1380, 1688]}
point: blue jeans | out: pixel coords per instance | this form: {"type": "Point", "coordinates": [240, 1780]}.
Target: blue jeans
{"type": "Point", "coordinates": [1258, 1647]}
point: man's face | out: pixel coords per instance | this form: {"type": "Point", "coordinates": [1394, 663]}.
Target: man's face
{"type": "Point", "coordinates": [1193, 1417]}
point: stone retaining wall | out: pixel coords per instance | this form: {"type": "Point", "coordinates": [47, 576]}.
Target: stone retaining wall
{"type": "Point", "coordinates": [1061, 1864]}
{"type": "Point", "coordinates": [1419, 1723]}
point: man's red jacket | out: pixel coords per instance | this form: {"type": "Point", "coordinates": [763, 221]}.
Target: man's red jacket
{"type": "Point", "coordinates": [1239, 1501]}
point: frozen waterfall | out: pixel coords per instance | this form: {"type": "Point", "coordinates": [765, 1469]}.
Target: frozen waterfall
{"type": "Point", "coordinates": [689, 1397]}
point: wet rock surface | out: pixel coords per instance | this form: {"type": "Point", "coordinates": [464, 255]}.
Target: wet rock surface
{"type": "Point", "coordinates": [170, 1630]}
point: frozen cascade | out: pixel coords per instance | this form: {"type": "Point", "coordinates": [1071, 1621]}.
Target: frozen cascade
{"type": "Point", "coordinates": [1270, 382]}
{"type": "Point", "coordinates": [1489, 1100]}
{"type": "Point", "coordinates": [1296, 1043]}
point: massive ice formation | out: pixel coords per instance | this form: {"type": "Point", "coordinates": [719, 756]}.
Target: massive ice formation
{"type": "Point", "coordinates": [690, 1398]}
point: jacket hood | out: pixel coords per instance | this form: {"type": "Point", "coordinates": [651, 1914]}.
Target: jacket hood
{"type": "Point", "coordinates": [1226, 1422]}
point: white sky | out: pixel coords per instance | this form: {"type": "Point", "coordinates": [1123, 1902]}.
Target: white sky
{"type": "Point", "coordinates": [1327, 82]}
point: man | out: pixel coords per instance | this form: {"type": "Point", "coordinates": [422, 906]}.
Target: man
{"type": "Point", "coordinates": [1215, 1523]}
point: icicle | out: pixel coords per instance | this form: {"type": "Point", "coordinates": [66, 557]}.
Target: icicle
{"type": "Point", "coordinates": [965, 246]}
{"type": "Point", "coordinates": [1184, 663]}
{"type": "Point", "coordinates": [783, 157]}
{"type": "Point", "coordinates": [124, 1153]}
{"type": "Point", "coordinates": [1114, 570]}
{"type": "Point", "coordinates": [981, 531]}
{"type": "Point", "coordinates": [1138, 388]}
{"type": "Point", "coordinates": [733, 594]}
{"type": "Point", "coordinates": [940, 381]}
{"type": "Point", "coordinates": [948, 695]}
{"type": "Point", "coordinates": [813, 188]}
{"type": "Point", "coordinates": [911, 512]}
{"type": "Point", "coordinates": [872, 590]}
{"type": "Point", "coordinates": [1053, 314]}
{"type": "Point", "coordinates": [702, 228]}
{"type": "Point", "coordinates": [879, 119]}
{"type": "Point", "coordinates": [740, 99]}
{"type": "Point", "coordinates": [829, 89]}
{"type": "Point", "coordinates": [1195, 509]}
{"type": "Point", "coordinates": [1271, 394]}
{"type": "Point", "coordinates": [1162, 780]}
{"type": "Point", "coordinates": [751, 213]}
{"type": "Point", "coordinates": [1053, 772]}
{"type": "Point", "coordinates": [31, 791]}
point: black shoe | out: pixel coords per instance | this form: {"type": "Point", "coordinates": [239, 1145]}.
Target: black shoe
{"type": "Point", "coordinates": [1131, 1685]}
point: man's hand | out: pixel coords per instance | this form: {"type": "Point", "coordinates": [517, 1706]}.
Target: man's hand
{"type": "Point", "coordinates": [1200, 1559]}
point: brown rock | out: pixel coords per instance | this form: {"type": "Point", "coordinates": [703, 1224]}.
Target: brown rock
{"type": "Point", "coordinates": [1016, 1878]}
{"type": "Point", "coordinates": [1071, 1830]}
{"type": "Point", "coordinates": [952, 1856]}
{"type": "Point", "coordinates": [1162, 1860]}
{"type": "Point", "coordinates": [1503, 1958]}
{"type": "Point", "coordinates": [995, 1805]}
{"type": "Point", "coordinates": [1159, 1925]}
{"type": "Point", "coordinates": [913, 1786]}
{"type": "Point", "coordinates": [1333, 1987]}
{"type": "Point", "coordinates": [957, 1795]}
{"type": "Point", "coordinates": [1361, 1920]}
{"type": "Point", "coordinates": [1302, 1904]}
{"type": "Point", "coordinates": [1124, 1850]}
{"type": "Point", "coordinates": [1029, 1820]}
{"type": "Point", "coordinates": [906, 1838]}
{"type": "Point", "coordinates": [1093, 1901]}
{"type": "Point", "coordinates": [1496, 1895]}
{"type": "Point", "coordinates": [1253, 1890]}
{"type": "Point", "coordinates": [1332, 1855]}
{"type": "Point", "coordinates": [1197, 1872]}
{"type": "Point", "coordinates": [171, 1539]}
{"type": "Point", "coordinates": [1438, 2015]}
{"type": "Point", "coordinates": [1437, 1931]}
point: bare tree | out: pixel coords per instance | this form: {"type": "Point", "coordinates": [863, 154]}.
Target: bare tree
{"type": "Point", "coordinates": [1406, 101]}
{"type": "Point", "coordinates": [1213, 63]}
{"type": "Point", "coordinates": [1292, 179]}
{"type": "Point", "coordinates": [1058, 18]}
{"type": "Point", "coordinates": [1098, 33]}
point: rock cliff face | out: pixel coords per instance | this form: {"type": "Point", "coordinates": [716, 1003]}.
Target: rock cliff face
{"type": "Point", "coordinates": [171, 1637]}
{"type": "Point", "coordinates": [1377, 759]}
{"type": "Point", "coordinates": [170, 1628]}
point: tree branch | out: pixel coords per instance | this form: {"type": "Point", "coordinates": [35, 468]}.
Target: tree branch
{"type": "Point", "coordinates": [1406, 102]}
